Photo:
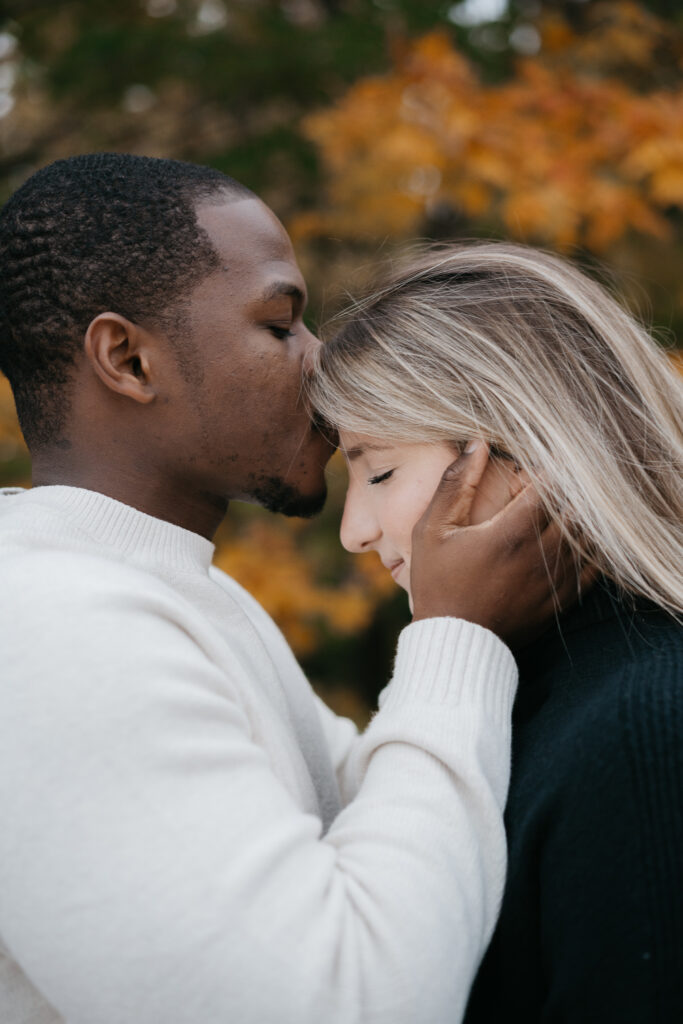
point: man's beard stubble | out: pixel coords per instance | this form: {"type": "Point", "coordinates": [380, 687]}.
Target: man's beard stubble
{"type": "Point", "coordinates": [275, 495]}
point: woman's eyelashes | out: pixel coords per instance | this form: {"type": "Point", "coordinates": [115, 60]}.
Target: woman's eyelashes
{"type": "Point", "coordinates": [381, 477]}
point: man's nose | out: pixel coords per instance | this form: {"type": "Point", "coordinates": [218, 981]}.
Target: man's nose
{"type": "Point", "coordinates": [359, 530]}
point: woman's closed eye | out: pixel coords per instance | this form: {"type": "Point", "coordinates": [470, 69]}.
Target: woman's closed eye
{"type": "Point", "coordinates": [381, 477]}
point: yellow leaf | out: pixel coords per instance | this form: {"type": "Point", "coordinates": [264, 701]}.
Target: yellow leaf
{"type": "Point", "coordinates": [667, 185]}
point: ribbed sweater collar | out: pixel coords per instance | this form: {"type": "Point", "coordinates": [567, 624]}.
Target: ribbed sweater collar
{"type": "Point", "coordinates": [136, 536]}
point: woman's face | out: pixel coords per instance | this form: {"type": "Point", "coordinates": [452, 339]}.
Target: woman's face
{"type": "Point", "coordinates": [390, 486]}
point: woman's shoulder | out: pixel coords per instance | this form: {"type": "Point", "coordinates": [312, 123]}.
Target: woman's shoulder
{"type": "Point", "coordinates": [595, 645]}
{"type": "Point", "coordinates": [606, 689]}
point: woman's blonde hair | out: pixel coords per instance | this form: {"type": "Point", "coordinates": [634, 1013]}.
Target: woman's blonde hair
{"type": "Point", "coordinates": [516, 346]}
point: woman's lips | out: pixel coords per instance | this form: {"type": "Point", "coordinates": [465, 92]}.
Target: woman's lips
{"type": "Point", "coordinates": [395, 567]}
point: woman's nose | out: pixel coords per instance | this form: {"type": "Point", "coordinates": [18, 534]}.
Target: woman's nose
{"type": "Point", "coordinates": [359, 530]}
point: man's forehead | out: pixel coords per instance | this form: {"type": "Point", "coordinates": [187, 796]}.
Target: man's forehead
{"type": "Point", "coordinates": [254, 250]}
{"type": "Point", "coordinates": [246, 231]}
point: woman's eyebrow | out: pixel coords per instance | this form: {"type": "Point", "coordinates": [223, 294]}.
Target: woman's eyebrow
{"type": "Point", "coordinates": [355, 453]}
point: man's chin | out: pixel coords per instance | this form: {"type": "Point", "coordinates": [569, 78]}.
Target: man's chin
{"type": "Point", "coordinates": [277, 496]}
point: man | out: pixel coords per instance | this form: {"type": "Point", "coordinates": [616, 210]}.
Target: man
{"type": "Point", "coordinates": [188, 835]}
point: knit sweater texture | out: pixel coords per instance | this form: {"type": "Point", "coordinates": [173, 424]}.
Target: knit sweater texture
{"type": "Point", "coordinates": [188, 834]}
{"type": "Point", "coordinates": [591, 930]}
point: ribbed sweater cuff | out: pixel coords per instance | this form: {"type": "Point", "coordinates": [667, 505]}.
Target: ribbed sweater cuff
{"type": "Point", "coordinates": [451, 661]}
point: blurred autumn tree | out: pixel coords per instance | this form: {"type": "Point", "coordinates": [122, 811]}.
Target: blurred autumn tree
{"type": "Point", "coordinates": [581, 146]}
{"type": "Point", "coordinates": [364, 122]}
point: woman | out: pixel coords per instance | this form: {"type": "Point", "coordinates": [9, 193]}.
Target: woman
{"type": "Point", "coordinates": [515, 347]}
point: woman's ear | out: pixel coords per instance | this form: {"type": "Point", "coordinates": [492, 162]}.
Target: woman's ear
{"type": "Point", "coordinates": [120, 353]}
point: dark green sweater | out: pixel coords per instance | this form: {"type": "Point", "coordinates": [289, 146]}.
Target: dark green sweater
{"type": "Point", "coordinates": [591, 928]}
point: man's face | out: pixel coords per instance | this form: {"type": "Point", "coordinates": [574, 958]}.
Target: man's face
{"type": "Point", "coordinates": [249, 428]}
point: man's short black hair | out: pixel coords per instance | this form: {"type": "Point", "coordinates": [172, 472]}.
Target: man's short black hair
{"type": "Point", "coordinates": [104, 231]}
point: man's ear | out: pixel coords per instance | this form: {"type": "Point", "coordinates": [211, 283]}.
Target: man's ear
{"type": "Point", "coordinates": [119, 352]}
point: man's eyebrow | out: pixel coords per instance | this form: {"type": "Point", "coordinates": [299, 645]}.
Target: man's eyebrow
{"type": "Point", "coordinates": [355, 453]}
{"type": "Point", "coordinates": [278, 288]}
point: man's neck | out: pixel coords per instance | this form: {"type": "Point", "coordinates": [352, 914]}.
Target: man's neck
{"type": "Point", "coordinates": [166, 499]}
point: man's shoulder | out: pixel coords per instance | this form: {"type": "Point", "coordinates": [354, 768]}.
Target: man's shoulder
{"type": "Point", "coordinates": [38, 572]}
{"type": "Point", "coordinates": [57, 599]}
{"type": "Point", "coordinates": [30, 530]}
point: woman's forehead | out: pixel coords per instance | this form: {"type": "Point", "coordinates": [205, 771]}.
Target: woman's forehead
{"type": "Point", "coordinates": [354, 445]}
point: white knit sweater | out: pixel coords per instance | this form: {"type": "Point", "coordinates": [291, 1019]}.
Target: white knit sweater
{"type": "Point", "coordinates": [187, 834]}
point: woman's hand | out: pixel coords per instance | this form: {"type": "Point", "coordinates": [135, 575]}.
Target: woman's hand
{"type": "Point", "coordinates": [511, 574]}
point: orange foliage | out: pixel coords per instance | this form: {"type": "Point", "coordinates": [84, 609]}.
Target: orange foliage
{"type": "Point", "coordinates": [267, 561]}
{"type": "Point", "coordinates": [560, 154]}
{"type": "Point", "coordinates": [624, 36]}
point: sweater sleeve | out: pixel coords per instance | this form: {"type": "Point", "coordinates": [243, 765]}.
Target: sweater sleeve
{"type": "Point", "coordinates": [341, 736]}
{"type": "Point", "coordinates": [154, 868]}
